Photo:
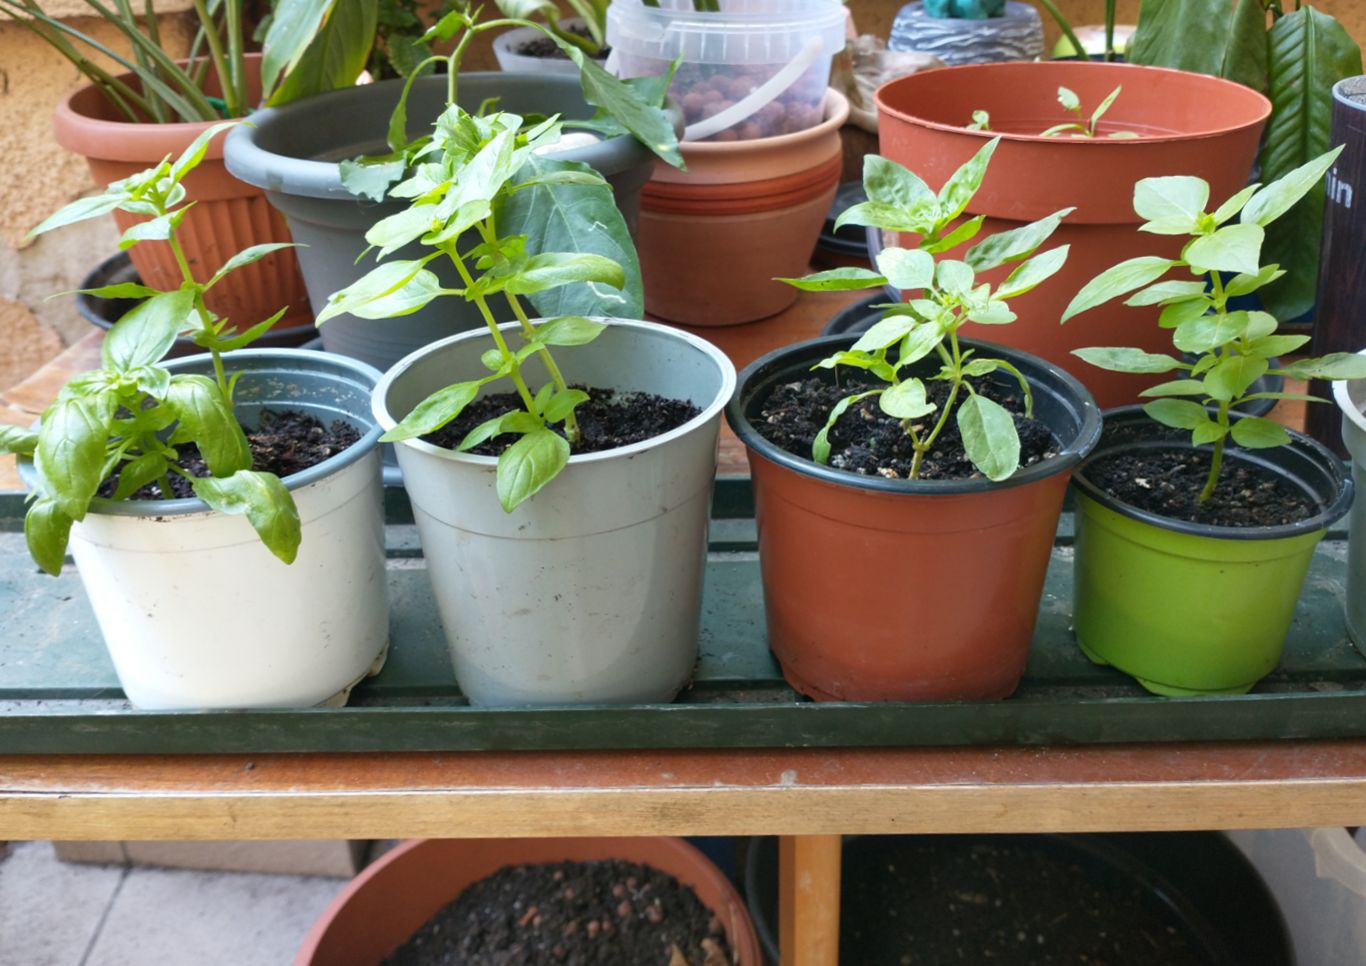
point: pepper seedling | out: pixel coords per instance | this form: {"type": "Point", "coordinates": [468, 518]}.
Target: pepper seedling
{"type": "Point", "coordinates": [126, 419]}
{"type": "Point", "coordinates": [1084, 127]}
{"type": "Point", "coordinates": [950, 295]}
{"type": "Point", "coordinates": [1232, 348]}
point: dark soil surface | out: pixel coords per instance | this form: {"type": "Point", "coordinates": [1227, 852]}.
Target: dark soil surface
{"type": "Point", "coordinates": [867, 441]}
{"type": "Point", "coordinates": [608, 420]}
{"type": "Point", "coordinates": [941, 900]}
{"type": "Point", "coordinates": [572, 913]}
{"type": "Point", "coordinates": [285, 443]}
{"type": "Point", "coordinates": [543, 46]}
{"type": "Point", "coordinates": [1168, 481]}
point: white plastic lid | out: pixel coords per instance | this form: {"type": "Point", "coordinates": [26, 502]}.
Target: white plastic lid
{"type": "Point", "coordinates": [747, 32]}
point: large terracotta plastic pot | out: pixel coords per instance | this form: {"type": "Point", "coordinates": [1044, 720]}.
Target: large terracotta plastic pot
{"type": "Point", "coordinates": [713, 238]}
{"type": "Point", "coordinates": [1188, 608]}
{"type": "Point", "coordinates": [882, 589]}
{"type": "Point", "coordinates": [391, 899]}
{"type": "Point", "coordinates": [227, 217]}
{"type": "Point", "coordinates": [1190, 125]}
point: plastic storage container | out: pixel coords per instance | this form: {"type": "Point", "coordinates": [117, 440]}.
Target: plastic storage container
{"type": "Point", "coordinates": [1318, 877]}
{"type": "Point", "coordinates": [756, 69]}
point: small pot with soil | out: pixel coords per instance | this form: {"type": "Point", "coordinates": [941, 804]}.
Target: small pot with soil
{"type": "Point", "coordinates": [527, 50]}
{"type": "Point", "coordinates": [589, 590]}
{"type": "Point", "coordinates": [879, 587]}
{"type": "Point", "coordinates": [194, 609]}
{"type": "Point", "coordinates": [641, 901]}
{"type": "Point", "coordinates": [1187, 597]}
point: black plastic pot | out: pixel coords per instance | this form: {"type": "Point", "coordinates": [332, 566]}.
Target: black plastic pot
{"type": "Point", "coordinates": [118, 269]}
{"type": "Point", "coordinates": [1196, 881]}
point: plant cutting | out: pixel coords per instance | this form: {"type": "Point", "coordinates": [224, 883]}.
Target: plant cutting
{"type": "Point", "coordinates": [1232, 515]}
{"type": "Point", "coordinates": [628, 490]}
{"type": "Point", "coordinates": [1187, 122]}
{"type": "Point", "coordinates": [1082, 127]}
{"type": "Point", "coordinates": [295, 152]}
{"type": "Point", "coordinates": [912, 457]}
{"type": "Point", "coordinates": [143, 468]}
{"type": "Point", "coordinates": [1295, 57]}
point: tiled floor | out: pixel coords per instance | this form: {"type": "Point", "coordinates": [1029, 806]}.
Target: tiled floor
{"type": "Point", "coordinates": [60, 914]}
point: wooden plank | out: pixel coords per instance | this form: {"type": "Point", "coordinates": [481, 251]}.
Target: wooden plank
{"type": "Point", "coordinates": [799, 792]}
{"type": "Point", "coordinates": [809, 899]}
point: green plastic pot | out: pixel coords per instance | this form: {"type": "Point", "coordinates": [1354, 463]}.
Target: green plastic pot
{"type": "Point", "coordinates": [1188, 608]}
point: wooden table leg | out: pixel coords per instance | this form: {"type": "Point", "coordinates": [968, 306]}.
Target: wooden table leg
{"type": "Point", "coordinates": [809, 900]}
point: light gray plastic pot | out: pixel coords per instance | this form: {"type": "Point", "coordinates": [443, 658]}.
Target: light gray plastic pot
{"type": "Point", "coordinates": [1351, 399]}
{"type": "Point", "coordinates": [590, 591]}
{"type": "Point", "coordinates": [293, 152]}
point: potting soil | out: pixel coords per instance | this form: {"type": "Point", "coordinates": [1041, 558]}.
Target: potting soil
{"type": "Point", "coordinates": [572, 913]}
{"type": "Point", "coordinates": [284, 443]}
{"type": "Point", "coordinates": [867, 441]}
{"type": "Point", "coordinates": [608, 420]}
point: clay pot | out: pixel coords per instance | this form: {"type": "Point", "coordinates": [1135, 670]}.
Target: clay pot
{"type": "Point", "coordinates": [393, 897]}
{"type": "Point", "coordinates": [227, 217]}
{"type": "Point", "coordinates": [892, 590]}
{"type": "Point", "coordinates": [713, 238]}
{"type": "Point", "coordinates": [1190, 125]}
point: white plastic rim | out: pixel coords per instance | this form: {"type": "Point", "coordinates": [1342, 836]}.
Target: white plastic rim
{"type": "Point", "coordinates": [746, 32]}
{"type": "Point", "coordinates": [590, 591]}
{"type": "Point", "coordinates": [1351, 399]}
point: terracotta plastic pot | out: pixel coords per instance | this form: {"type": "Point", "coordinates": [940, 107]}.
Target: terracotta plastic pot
{"type": "Point", "coordinates": [713, 238]}
{"type": "Point", "coordinates": [1188, 608]}
{"type": "Point", "coordinates": [880, 589]}
{"type": "Point", "coordinates": [228, 215]}
{"type": "Point", "coordinates": [1190, 125]}
{"type": "Point", "coordinates": [392, 898]}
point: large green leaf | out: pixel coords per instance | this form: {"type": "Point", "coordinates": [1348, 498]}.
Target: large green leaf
{"type": "Point", "coordinates": [627, 105]}
{"type": "Point", "coordinates": [574, 218]}
{"type": "Point", "coordinates": [1118, 280]}
{"type": "Point", "coordinates": [47, 529]}
{"type": "Point", "coordinates": [1309, 52]}
{"type": "Point", "coordinates": [266, 503]}
{"type": "Point", "coordinates": [71, 449]}
{"type": "Point", "coordinates": [529, 464]}
{"type": "Point", "coordinates": [146, 332]}
{"type": "Point", "coordinates": [989, 437]}
{"type": "Point", "coordinates": [207, 418]}
{"type": "Point", "coordinates": [1245, 54]}
{"type": "Point", "coordinates": [293, 25]}
{"type": "Point", "coordinates": [1185, 34]}
{"type": "Point", "coordinates": [337, 54]}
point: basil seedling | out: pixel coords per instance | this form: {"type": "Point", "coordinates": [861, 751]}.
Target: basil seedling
{"type": "Point", "coordinates": [1232, 349]}
{"type": "Point", "coordinates": [950, 295]}
{"type": "Point", "coordinates": [1083, 127]}
{"type": "Point", "coordinates": [127, 418]}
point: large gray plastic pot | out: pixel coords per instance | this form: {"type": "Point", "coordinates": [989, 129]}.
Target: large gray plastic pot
{"type": "Point", "coordinates": [590, 591]}
{"type": "Point", "coordinates": [197, 613]}
{"type": "Point", "coordinates": [1351, 399]}
{"type": "Point", "coordinates": [293, 153]}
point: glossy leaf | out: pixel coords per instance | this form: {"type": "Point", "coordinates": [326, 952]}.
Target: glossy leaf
{"type": "Point", "coordinates": [884, 332]}
{"type": "Point", "coordinates": [963, 183]}
{"type": "Point", "coordinates": [1333, 366]}
{"type": "Point", "coordinates": [894, 185]}
{"type": "Point", "coordinates": [1177, 199]}
{"type": "Point", "coordinates": [47, 529]}
{"type": "Point", "coordinates": [1254, 432]}
{"type": "Point", "coordinates": [837, 280]}
{"type": "Point", "coordinates": [337, 54]}
{"type": "Point", "coordinates": [383, 280]}
{"type": "Point", "coordinates": [1233, 248]}
{"type": "Point", "coordinates": [1177, 387]}
{"type": "Point", "coordinates": [146, 332]}
{"type": "Point", "coordinates": [1127, 360]}
{"type": "Point", "coordinates": [1278, 197]}
{"type": "Point", "coordinates": [569, 330]}
{"type": "Point", "coordinates": [207, 418]}
{"type": "Point", "coordinates": [1015, 244]}
{"type": "Point", "coordinates": [554, 269]}
{"type": "Point", "coordinates": [1170, 291]}
{"type": "Point", "coordinates": [906, 400]}
{"type": "Point", "coordinates": [1233, 376]}
{"type": "Point", "coordinates": [264, 500]}
{"type": "Point", "coordinates": [820, 446]}
{"type": "Point", "coordinates": [14, 439]}
{"type": "Point", "coordinates": [1210, 332]}
{"type": "Point", "coordinates": [1118, 280]}
{"type": "Point", "coordinates": [71, 448]}
{"type": "Point", "coordinates": [79, 210]}
{"type": "Point", "coordinates": [989, 437]}
{"type": "Point", "coordinates": [906, 268]}
{"type": "Point", "coordinates": [1177, 413]}
{"type": "Point", "coordinates": [435, 411]}
{"type": "Point", "coordinates": [1033, 272]}
{"type": "Point", "coordinates": [528, 465]}
{"type": "Point", "coordinates": [1183, 34]}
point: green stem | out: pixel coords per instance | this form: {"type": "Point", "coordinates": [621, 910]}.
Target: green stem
{"type": "Point", "coordinates": [1066, 28]}
{"type": "Point", "coordinates": [1218, 459]}
{"type": "Point", "coordinates": [492, 323]}
{"type": "Point", "coordinates": [216, 53]}
{"type": "Point", "coordinates": [1109, 30]}
{"type": "Point", "coordinates": [571, 424]}
{"type": "Point", "coordinates": [232, 21]}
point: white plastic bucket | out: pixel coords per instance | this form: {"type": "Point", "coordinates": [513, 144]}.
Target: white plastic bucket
{"type": "Point", "coordinates": [757, 69]}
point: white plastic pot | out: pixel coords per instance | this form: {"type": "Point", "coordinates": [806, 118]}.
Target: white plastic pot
{"type": "Point", "coordinates": [589, 592]}
{"type": "Point", "coordinates": [1351, 399]}
{"type": "Point", "coordinates": [505, 50]}
{"type": "Point", "coordinates": [197, 613]}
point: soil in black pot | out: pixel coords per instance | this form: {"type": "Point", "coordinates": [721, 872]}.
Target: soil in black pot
{"type": "Point", "coordinates": [285, 443]}
{"type": "Point", "coordinates": [1168, 481]}
{"type": "Point", "coordinates": [608, 912]}
{"type": "Point", "coordinates": [608, 420]}
{"type": "Point", "coordinates": [939, 900]}
{"type": "Point", "coordinates": [867, 441]}
{"type": "Point", "coordinates": [542, 46]}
